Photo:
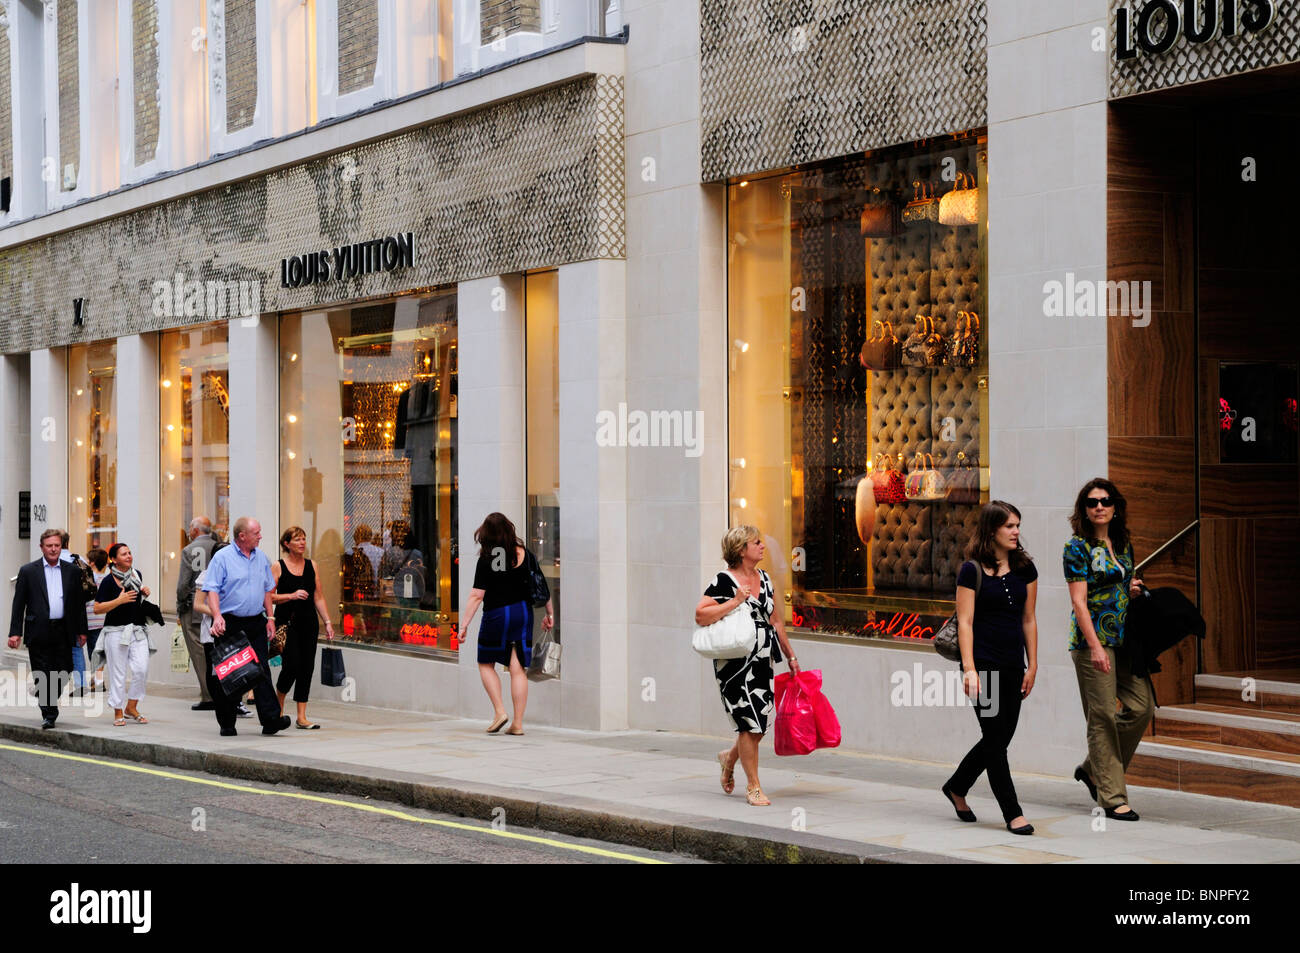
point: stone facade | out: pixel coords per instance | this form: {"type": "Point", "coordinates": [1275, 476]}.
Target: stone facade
{"type": "Point", "coordinates": [1192, 63]}
{"type": "Point", "coordinates": [69, 96]}
{"type": "Point", "coordinates": [241, 63]}
{"type": "Point", "coordinates": [532, 182]}
{"type": "Point", "coordinates": [501, 18]}
{"type": "Point", "coordinates": [358, 44]}
{"type": "Point", "coordinates": [784, 82]}
{"type": "Point", "coordinates": [144, 67]}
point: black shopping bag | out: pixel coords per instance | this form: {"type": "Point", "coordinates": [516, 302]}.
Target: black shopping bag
{"type": "Point", "coordinates": [332, 671]}
{"type": "Point", "coordinates": [235, 665]}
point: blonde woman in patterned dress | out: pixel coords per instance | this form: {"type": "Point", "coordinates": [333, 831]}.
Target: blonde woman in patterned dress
{"type": "Point", "coordinates": [1098, 562]}
{"type": "Point", "coordinates": [746, 683]}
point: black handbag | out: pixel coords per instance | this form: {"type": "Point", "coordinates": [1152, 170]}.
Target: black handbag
{"type": "Point", "coordinates": [539, 593]}
{"type": "Point", "coordinates": [332, 671]}
{"type": "Point", "coordinates": [235, 665]}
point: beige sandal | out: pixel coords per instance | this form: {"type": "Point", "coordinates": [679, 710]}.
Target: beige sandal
{"type": "Point", "coordinates": [757, 798]}
{"type": "Point", "coordinates": [728, 773]}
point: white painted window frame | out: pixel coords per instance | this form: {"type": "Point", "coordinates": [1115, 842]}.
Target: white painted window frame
{"type": "Point", "coordinates": [260, 128]}
{"type": "Point", "coordinates": [27, 200]}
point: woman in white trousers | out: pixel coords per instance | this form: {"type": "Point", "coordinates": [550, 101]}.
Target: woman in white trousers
{"type": "Point", "coordinates": [124, 639]}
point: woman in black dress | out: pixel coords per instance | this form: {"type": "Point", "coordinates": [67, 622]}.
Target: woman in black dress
{"type": "Point", "coordinates": [746, 683]}
{"type": "Point", "coordinates": [997, 590]}
{"type": "Point", "coordinates": [298, 600]}
{"type": "Point", "coordinates": [506, 634]}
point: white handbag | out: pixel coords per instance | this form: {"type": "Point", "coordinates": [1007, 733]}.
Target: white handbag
{"type": "Point", "coordinates": [732, 636]}
{"type": "Point", "coordinates": [961, 206]}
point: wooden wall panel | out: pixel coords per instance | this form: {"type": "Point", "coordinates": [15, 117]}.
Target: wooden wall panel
{"type": "Point", "coordinates": [1250, 491]}
{"type": "Point", "coordinates": [1277, 594]}
{"type": "Point", "coordinates": [1165, 347]}
{"type": "Point", "coordinates": [1228, 594]}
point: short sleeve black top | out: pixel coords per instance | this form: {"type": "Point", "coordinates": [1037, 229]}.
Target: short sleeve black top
{"type": "Point", "coordinates": [502, 587]}
{"type": "Point", "coordinates": [999, 625]}
{"type": "Point", "coordinates": [129, 614]}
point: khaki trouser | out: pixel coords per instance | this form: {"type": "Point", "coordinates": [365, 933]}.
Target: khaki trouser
{"type": "Point", "coordinates": [1113, 736]}
{"type": "Point", "coordinates": [191, 622]}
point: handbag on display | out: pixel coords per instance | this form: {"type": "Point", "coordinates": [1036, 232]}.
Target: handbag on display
{"type": "Point", "coordinates": [964, 481]}
{"type": "Point", "coordinates": [880, 219]}
{"type": "Point", "coordinates": [924, 207]}
{"type": "Point", "coordinates": [924, 482]}
{"type": "Point", "coordinates": [961, 206]}
{"type": "Point", "coordinates": [945, 640]}
{"type": "Point", "coordinates": [888, 482]}
{"type": "Point", "coordinates": [864, 508]}
{"type": "Point", "coordinates": [964, 345]}
{"type": "Point", "coordinates": [912, 352]}
{"type": "Point", "coordinates": [935, 346]}
{"type": "Point", "coordinates": [880, 353]}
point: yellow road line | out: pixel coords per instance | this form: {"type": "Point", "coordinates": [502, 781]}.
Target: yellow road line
{"type": "Point", "coordinates": [373, 809]}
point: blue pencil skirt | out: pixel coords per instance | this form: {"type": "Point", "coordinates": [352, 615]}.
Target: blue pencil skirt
{"type": "Point", "coordinates": [503, 627]}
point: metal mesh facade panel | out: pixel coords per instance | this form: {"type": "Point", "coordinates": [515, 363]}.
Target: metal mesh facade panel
{"type": "Point", "coordinates": [528, 183]}
{"type": "Point", "coordinates": [1196, 62]}
{"type": "Point", "coordinates": [784, 82]}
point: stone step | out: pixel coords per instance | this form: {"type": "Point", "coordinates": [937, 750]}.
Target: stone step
{"type": "Point", "coordinates": [1204, 767]}
{"type": "Point", "coordinates": [1261, 693]}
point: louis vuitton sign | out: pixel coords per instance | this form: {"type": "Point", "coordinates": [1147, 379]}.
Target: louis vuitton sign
{"type": "Point", "coordinates": [1154, 27]}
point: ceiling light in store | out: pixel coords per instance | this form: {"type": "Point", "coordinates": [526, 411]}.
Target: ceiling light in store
{"type": "Point", "coordinates": [80, 500]}
{"type": "Point", "coordinates": [293, 357]}
{"type": "Point", "coordinates": [741, 346]}
{"type": "Point", "coordinates": [171, 427]}
{"type": "Point", "coordinates": [744, 184]}
{"type": "Point", "coordinates": [78, 443]}
{"type": "Point", "coordinates": [79, 391]}
{"type": "Point", "coordinates": [166, 382]}
{"type": "Point", "coordinates": [171, 476]}
{"type": "Point", "coordinates": [292, 455]}
{"type": "Point", "coordinates": [171, 555]}
{"type": "Point", "coordinates": [738, 462]}
{"type": "Point", "coordinates": [292, 418]}
{"type": "Point", "coordinates": [741, 502]}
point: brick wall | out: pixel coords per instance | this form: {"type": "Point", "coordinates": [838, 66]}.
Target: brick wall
{"type": "Point", "coordinates": [69, 95]}
{"type": "Point", "coordinates": [241, 63]}
{"type": "Point", "coordinates": [6, 108]}
{"type": "Point", "coordinates": [358, 44]}
{"type": "Point", "coordinates": [144, 67]}
{"type": "Point", "coordinates": [501, 18]}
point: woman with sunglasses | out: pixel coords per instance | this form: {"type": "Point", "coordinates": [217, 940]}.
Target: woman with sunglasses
{"type": "Point", "coordinates": [1099, 570]}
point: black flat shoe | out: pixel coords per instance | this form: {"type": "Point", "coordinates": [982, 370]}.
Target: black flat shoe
{"type": "Point", "coordinates": [1082, 775]}
{"type": "Point", "coordinates": [1129, 815]}
{"type": "Point", "coordinates": [967, 816]}
{"type": "Point", "coordinates": [1027, 829]}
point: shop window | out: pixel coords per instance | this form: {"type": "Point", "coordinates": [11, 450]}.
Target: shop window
{"type": "Point", "coordinates": [858, 427]}
{"type": "Point", "coordinates": [542, 373]}
{"type": "Point", "coordinates": [92, 454]}
{"type": "Point", "coordinates": [194, 448]}
{"type": "Point", "coordinates": [1257, 413]}
{"type": "Point", "coordinates": [368, 465]}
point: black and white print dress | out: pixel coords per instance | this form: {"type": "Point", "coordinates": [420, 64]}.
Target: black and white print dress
{"type": "Point", "coordinates": [746, 683]}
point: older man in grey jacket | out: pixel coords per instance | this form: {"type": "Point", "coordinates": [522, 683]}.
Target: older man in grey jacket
{"type": "Point", "coordinates": [194, 559]}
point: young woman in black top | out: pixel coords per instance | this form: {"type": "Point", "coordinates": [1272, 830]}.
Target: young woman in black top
{"type": "Point", "coordinates": [997, 590]}
{"type": "Point", "coordinates": [506, 635]}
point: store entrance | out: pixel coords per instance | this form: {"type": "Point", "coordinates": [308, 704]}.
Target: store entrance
{"type": "Point", "coordinates": [1203, 389]}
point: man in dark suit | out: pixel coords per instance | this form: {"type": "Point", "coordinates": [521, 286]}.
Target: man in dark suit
{"type": "Point", "coordinates": [49, 615]}
{"type": "Point", "coordinates": [194, 560]}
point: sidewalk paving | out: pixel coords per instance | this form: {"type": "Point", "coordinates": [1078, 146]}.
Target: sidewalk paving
{"type": "Point", "coordinates": [660, 789]}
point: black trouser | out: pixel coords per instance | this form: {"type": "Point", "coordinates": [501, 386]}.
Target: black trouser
{"type": "Point", "coordinates": [998, 711]}
{"type": "Point", "coordinates": [298, 663]}
{"type": "Point", "coordinates": [50, 656]}
{"type": "Point", "coordinates": [253, 628]}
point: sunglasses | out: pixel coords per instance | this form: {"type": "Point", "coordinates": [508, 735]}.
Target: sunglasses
{"type": "Point", "coordinates": [1100, 501]}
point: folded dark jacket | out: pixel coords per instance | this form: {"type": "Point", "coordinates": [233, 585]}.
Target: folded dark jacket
{"type": "Point", "coordinates": [1158, 620]}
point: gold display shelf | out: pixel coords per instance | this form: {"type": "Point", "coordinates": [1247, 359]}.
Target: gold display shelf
{"type": "Point", "coordinates": [867, 600]}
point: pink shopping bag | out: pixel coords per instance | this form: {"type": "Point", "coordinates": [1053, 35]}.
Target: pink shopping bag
{"type": "Point", "coordinates": [826, 723]}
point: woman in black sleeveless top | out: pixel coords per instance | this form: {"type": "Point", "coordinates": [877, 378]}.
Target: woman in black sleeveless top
{"type": "Point", "coordinates": [298, 600]}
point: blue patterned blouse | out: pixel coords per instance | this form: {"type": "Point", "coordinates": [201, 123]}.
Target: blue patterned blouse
{"type": "Point", "coordinates": [1108, 581]}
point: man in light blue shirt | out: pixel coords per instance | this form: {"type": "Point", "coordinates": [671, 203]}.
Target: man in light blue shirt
{"type": "Point", "coordinates": [238, 584]}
